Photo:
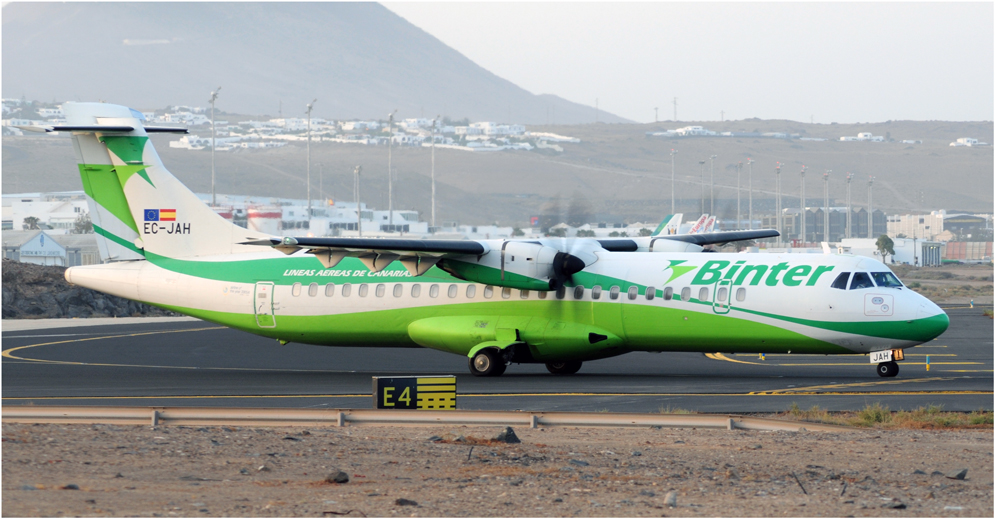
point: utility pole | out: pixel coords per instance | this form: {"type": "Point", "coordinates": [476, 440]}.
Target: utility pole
{"type": "Point", "coordinates": [675, 109]}
{"type": "Point", "coordinates": [749, 162]}
{"type": "Point", "coordinates": [214, 97]}
{"type": "Point", "coordinates": [433, 169]}
{"type": "Point", "coordinates": [596, 109]}
{"type": "Point", "coordinates": [390, 172]}
{"type": "Point", "coordinates": [739, 211]}
{"type": "Point", "coordinates": [359, 211]}
{"type": "Point", "coordinates": [701, 164]}
{"type": "Point", "coordinates": [870, 207]}
{"type": "Point", "coordinates": [825, 214]}
{"type": "Point", "coordinates": [777, 202]}
{"type": "Point", "coordinates": [804, 233]}
{"type": "Point", "coordinates": [849, 202]}
{"type": "Point", "coordinates": [321, 183]}
{"type": "Point", "coordinates": [656, 114]}
{"type": "Point", "coordinates": [711, 192]}
{"type": "Point", "coordinates": [310, 106]}
{"type": "Point", "coordinates": [673, 203]}
{"type": "Point", "coordinates": [722, 115]}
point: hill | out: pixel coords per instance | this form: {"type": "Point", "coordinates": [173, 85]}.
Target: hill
{"type": "Point", "coordinates": [359, 60]}
{"type": "Point", "coordinates": [615, 170]}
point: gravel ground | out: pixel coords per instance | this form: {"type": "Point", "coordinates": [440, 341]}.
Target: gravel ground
{"type": "Point", "coordinates": [103, 470]}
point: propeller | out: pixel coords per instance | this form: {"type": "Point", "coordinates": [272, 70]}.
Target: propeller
{"type": "Point", "coordinates": [575, 254]}
{"type": "Point", "coordinates": [565, 265]}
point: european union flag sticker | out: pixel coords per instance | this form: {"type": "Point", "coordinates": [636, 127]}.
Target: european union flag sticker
{"type": "Point", "coordinates": [151, 215]}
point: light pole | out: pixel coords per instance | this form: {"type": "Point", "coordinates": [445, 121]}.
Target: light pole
{"type": "Point", "coordinates": [701, 164]}
{"type": "Point", "coordinates": [804, 233]}
{"type": "Point", "coordinates": [359, 211]}
{"type": "Point", "coordinates": [310, 106]}
{"type": "Point", "coordinates": [673, 199]}
{"type": "Point", "coordinates": [711, 190]}
{"type": "Point", "coordinates": [321, 183]}
{"type": "Point", "coordinates": [739, 212]}
{"type": "Point", "coordinates": [825, 214]}
{"type": "Point", "coordinates": [749, 162]}
{"type": "Point", "coordinates": [849, 201]}
{"type": "Point", "coordinates": [777, 202]}
{"type": "Point", "coordinates": [214, 97]}
{"type": "Point", "coordinates": [656, 114]}
{"type": "Point", "coordinates": [433, 169]}
{"type": "Point", "coordinates": [870, 207]}
{"type": "Point", "coordinates": [390, 173]}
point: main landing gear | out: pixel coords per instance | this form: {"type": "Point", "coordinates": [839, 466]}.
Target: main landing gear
{"type": "Point", "coordinates": [568, 367]}
{"type": "Point", "coordinates": [488, 363]}
{"type": "Point", "coordinates": [888, 369]}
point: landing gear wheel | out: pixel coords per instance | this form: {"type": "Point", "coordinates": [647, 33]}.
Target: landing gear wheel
{"type": "Point", "coordinates": [888, 369]}
{"type": "Point", "coordinates": [487, 363]}
{"type": "Point", "coordinates": [564, 368]}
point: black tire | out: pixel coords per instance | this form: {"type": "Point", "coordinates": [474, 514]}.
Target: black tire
{"type": "Point", "coordinates": [568, 367]}
{"type": "Point", "coordinates": [888, 369]}
{"type": "Point", "coordinates": [487, 363]}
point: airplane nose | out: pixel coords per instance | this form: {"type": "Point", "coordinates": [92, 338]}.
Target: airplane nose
{"type": "Point", "coordinates": [931, 321]}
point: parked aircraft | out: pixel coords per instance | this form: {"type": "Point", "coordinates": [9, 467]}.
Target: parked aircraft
{"type": "Point", "coordinates": [560, 302]}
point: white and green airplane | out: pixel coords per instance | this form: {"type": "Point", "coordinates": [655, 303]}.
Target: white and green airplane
{"type": "Point", "coordinates": [560, 302]}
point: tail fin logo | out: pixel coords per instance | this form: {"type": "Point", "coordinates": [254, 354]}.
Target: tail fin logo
{"type": "Point", "coordinates": [160, 215]}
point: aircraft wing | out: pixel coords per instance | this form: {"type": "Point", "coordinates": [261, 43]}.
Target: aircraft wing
{"type": "Point", "coordinates": [376, 253]}
{"type": "Point", "coordinates": [724, 237]}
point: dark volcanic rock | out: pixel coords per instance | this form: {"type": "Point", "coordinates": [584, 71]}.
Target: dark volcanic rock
{"type": "Point", "coordinates": [39, 292]}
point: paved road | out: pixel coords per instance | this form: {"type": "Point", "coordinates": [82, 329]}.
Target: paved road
{"type": "Point", "coordinates": [192, 363]}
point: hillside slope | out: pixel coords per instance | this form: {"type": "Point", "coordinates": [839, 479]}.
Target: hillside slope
{"type": "Point", "coordinates": [359, 59]}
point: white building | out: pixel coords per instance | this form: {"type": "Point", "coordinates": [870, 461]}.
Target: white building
{"type": "Point", "coordinates": [967, 142]}
{"type": "Point", "coordinates": [921, 226]}
{"type": "Point", "coordinates": [864, 136]}
{"type": "Point", "coordinates": [56, 212]}
{"type": "Point", "coordinates": [39, 248]}
{"type": "Point", "coordinates": [922, 253]}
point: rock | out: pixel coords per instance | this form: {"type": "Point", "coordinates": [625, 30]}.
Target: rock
{"type": "Point", "coordinates": [558, 500]}
{"type": "Point", "coordinates": [896, 505]}
{"type": "Point", "coordinates": [507, 436]}
{"type": "Point", "coordinates": [244, 472]}
{"type": "Point", "coordinates": [337, 477]}
{"type": "Point", "coordinates": [647, 493]}
{"type": "Point", "coordinates": [579, 463]}
{"type": "Point", "coordinates": [637, 453]}
{"type": "Point", "coordinates": [263, 468]}
{"type": "Point", "coordinates": [670, 499]}
{"type": "Point", "coordinates": [460, 439]}
{"type": "Point", "coordinates": [755, 447]}
{"type": "Point", "coordinates": [291, 438]}
{"type": "Point", "coordinates": [29, 487]}
{"type": "Point", "coordinates": [919, 472]}
{"type": "Point", "coordinates": [936, 473]}
{"type": "Point", "coordinates": [679, 441]}
{"type": "Point", "coordinates": [71, 486]}
{"type": "Point", "coordinates": [118, 475]}
{"type": "Point", "coordinates": [957, 474]}
{"type": "Point", "coordinates": [434, 438]}
{"type": "Point", "coordinates": [407, 502]}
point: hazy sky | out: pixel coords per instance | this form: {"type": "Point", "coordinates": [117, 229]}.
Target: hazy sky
{"type": "Point", "coordinates": [844, 62]}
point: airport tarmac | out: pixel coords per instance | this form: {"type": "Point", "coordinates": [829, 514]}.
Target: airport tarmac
{"type": "Point", "coordinates": [193, 363]}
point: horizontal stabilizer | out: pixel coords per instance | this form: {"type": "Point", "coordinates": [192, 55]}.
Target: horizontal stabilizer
{"type": "Point", "coordinates": [101, 128]}
{"type": "Point", "coordinates": [376, 244]}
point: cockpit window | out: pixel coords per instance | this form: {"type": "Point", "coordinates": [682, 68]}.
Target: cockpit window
{"type": "Point", "coordinates": [886, 279]}
{"type": "Point", "coordinates": [861, 280]}
{"type": "Point", "coordinates": [841, 280]}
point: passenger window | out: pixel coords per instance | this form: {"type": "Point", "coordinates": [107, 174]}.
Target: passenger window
{"type": "Point", "coordinates": [596, 292]}
{"type": "Point", "coordinates": [740, 294]}
{"type": "Point", "coordinates": [346, 290]}
{"type": "Point", "coordinates": [613, 292]}
{"type": "Point", "coordinates": [561, 292]}
{"type": "Point", "coordinates": [505, 293]}
{"type": "Point", "coordinates": [416, 290]}
{"type": "Point", "coordinates": [524, 294]}
{"type": "Point", "coordinates": [721, 295]}
{"type": "Point", "coordinates": [703, 294]}
{"type": "Point", "coordinates": [668, 294]}
{"type": "Point", "coordinates": [453, 290]}
{"type": "Point", "coordinates": [296, 289]}
{"type": "Point", "coordinates": [651, 293]}
{"type": "Point", "coordinates": [364, 290]}
{"type": "Point", "coordinates": [579, 292]}
{"type": "Point", "coordinates": [381, 290]}
{"type": "Point", "coordinates": [330, 290]}
{"type": "Point", "coordinates": [841, 280]}
{"type": "Point", "coordinates": [471, 291]}
{"type": "Point", "coordinates": [312, 289]}
{"type": "Point", "coordinates": [488, 292]}
{"type": "Point", "coordinates": [398, 290]}
{"type": "Point", "coordinates": [686, 294]}
{"type": "Point", "coordinates": [433, 291]}
{"type": "Point", "coordinates": [633, 292]}
{"type": "Point", "coordinates": [861, 280]}
{"type": "Point", "coordinates": [543, 294]}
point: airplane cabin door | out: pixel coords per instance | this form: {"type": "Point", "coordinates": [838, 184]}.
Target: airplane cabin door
{"type": "Point", "coordinates": [722, 296]}
{"type": "Point", "coordinates": [263, 301]}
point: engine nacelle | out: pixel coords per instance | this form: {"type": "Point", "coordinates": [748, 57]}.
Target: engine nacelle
{"type": "Point", "coordinates": [517, 264]}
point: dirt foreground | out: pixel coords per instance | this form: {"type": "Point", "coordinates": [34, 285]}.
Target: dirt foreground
{"type": "Point", "coordinates": [167, 471]}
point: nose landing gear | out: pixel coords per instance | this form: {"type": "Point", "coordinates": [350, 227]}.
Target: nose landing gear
{"type": "Point", "coordinates": [888, 369]}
